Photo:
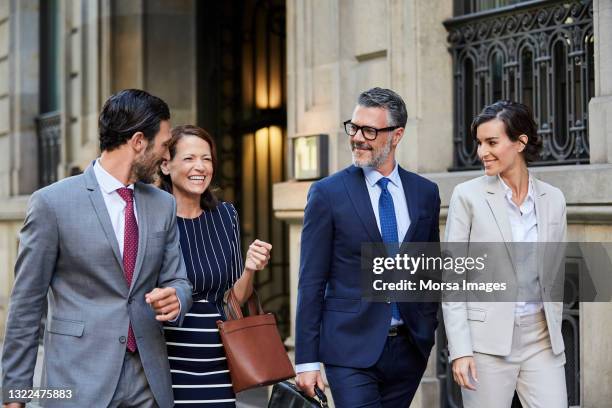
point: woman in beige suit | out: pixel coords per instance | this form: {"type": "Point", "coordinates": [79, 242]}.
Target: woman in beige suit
{"type": "Point", "coordinates": [497, 348]}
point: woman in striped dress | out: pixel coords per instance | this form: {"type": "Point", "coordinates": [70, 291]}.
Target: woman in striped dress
{"type": "Point", "coordinates": [210, 242]}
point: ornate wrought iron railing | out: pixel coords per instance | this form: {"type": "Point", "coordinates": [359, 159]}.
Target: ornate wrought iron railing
{"type": "Point", "coordinates": [536, 52]}
{"type": "Point", "coordinates": [49, 144]}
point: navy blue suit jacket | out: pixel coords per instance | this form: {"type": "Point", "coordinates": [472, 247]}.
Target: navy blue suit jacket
{"type": "Point", "coordinates": [334, 325]}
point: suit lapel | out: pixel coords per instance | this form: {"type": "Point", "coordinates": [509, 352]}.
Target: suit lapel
{"type": "Point", "coordinates": [95, 195]}
{"type": "Point", "coordinates": [497, 205]}
{"type": "Point", "coordinates": [141, 209]}
{"type": "Point", "coordinates": [541, 208]}
{"type": "Point", "coordinates": [355, 183]}
{"type": "Point", "coordinates": [413, 209]}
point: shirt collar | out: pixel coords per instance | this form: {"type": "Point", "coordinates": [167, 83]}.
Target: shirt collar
{"type": "Point", "coordinates": [508, 190]}
{"type": "Point", "coordinates": [108, 183]}
{"type": "Point", "coordinates": [372, 176]}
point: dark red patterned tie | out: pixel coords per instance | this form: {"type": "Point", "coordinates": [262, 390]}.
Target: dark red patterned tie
{"type": "Point", "coordinates": [130, 249]}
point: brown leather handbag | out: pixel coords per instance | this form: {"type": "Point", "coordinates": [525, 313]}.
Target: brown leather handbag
{"type": "Point", "coordinates": [255, 352]}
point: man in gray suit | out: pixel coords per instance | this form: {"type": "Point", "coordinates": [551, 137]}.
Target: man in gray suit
{"type": "Point", "coordinates": [103, 247]}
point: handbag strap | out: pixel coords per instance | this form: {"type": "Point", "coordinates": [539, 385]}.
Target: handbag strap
{"type": "Point", "coordinates": [254, 304]}
{"type": "Point", "coordinates": [234, 309]}
{"type": "Point", "coordinates": [321, 396]}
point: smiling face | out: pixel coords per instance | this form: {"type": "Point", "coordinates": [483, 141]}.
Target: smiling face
{"type": "Point", "coordinates": [497, 152]}
{"type": "Point", "coordinates": [191, 168]}
{"type": "Point", "coordinates": [380, 151]}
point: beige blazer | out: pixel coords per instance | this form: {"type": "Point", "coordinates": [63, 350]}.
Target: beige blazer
{"type": "Point", "coordinates": [477, 213]}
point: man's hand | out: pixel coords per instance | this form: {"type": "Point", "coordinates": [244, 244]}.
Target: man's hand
{"type": "Point", "coordinates": [307, 380]}
{"type": "Point", "coordinates": [165, 303]}
{"type": "Point", "coordinates": [463, 367]}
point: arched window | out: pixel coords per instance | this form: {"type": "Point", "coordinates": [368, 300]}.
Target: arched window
{"type": "Point", "coordinates": [537, 52]}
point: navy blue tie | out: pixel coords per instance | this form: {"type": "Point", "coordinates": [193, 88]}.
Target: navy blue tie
{"type": "Point", "coordinates": [388, 228]}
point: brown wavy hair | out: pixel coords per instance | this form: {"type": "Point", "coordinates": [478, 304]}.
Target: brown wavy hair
{"type": "Point", "coordinates": [208, 200]}
{"type": "Point", "coordinates": [518, 120]}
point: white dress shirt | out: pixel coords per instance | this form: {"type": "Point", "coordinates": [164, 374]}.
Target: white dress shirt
{"type": "Point", "coordinates": [115, 205]}
{"type": "Point", "coordinates": [396, 189]}
{"type": "Point", "coordinates": [524, 226]}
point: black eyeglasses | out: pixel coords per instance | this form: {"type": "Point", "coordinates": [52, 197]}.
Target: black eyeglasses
{"type": "Point", "coordinates": [368, 132]}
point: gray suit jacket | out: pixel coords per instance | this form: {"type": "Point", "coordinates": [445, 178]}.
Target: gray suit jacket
{"type": "Point", "coordinates": [477, 213]}
{"type": "Point", "coordinates": [68, 254]}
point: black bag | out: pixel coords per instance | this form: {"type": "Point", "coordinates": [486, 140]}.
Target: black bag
{"type": "Point", "coordinates": [286, 395]}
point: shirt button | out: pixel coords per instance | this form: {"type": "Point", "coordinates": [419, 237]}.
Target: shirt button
{"type": "Point", "coordinates": [122, 339]}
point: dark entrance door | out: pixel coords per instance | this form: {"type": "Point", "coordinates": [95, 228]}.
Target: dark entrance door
{"type": "Point", "coordinates": [241, 100]}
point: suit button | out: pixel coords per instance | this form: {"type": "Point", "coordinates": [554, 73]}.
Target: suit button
{"type": "Point", "coordinates": [130, 300]}
{"type": "Point", "coordinates": [122, 339]}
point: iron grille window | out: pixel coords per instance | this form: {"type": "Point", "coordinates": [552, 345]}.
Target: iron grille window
{"type": "Point", "coordinates": [49, 121]}
{"type": "Point", "coordinates": [536, 52]}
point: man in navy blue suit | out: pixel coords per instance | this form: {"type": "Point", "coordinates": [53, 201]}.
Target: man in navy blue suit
{"type": "Point", "coordinates": [374, 353]}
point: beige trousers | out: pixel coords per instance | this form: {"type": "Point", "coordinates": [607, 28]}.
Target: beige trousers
{"type": "Point", "coordinates": [531, 369]}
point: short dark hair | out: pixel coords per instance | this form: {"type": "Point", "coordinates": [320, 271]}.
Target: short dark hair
{"type": "Point", "coordinates": [518, 120]}
{"type": "Point", "coordinates": [208, 200]}
{"type": "Point", "coordinates": [127, 112]}
{"type": "Point", "coordinates": [388, 100]}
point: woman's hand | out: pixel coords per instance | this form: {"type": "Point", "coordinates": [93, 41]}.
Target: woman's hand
{"type": "Point", "coordinates": [463, 367]}
{"type": "Point", "coordinates": [257, 256]}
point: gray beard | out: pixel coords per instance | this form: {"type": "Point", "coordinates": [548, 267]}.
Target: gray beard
{"type": "Point", "coordinates": [377, 160]}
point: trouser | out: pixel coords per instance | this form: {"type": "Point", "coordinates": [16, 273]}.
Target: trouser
{"type": "Point", "coordinates": [133, 388]}
{"type": "Point", "coordinates": [390, 383]}
{"type": "Point", "coordinates": [537, 375]}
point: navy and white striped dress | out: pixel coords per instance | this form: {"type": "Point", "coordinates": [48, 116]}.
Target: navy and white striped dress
{"type": "Point", "coordinates": [212, 254]}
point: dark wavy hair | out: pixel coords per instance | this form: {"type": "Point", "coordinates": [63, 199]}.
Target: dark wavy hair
{"type": "Point", "coordinates": [518, 120]}
{"type": "Point", "coordinates": [208, 200]}
{"type": "Point", "coordinates": [127, 112]}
